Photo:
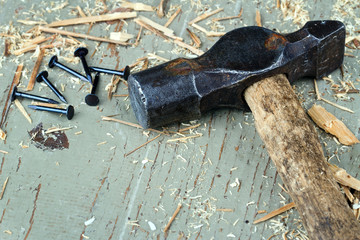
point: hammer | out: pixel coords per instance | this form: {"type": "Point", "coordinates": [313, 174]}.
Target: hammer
{"type": "Point", "coordinates": [252, 67]}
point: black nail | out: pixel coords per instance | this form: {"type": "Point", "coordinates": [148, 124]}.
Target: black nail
{"type": "Point", "coordinates": [43, 77]}
{"type": "Point", "coordinates": [81, 52]}
{"type": "Point", "coordinates": [125, 74]}
{"type": "Point", "coordinates": [69, 111]}
{"type": "Point", "coordinates": [54, 62]}
{"type": "Point", "coordinates": [15, 93]}
{"type": "Point", "coordinates": [91, 99]}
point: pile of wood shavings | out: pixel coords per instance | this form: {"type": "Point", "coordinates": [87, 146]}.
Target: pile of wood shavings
{"type": "Point", "coordinates": [347, 11]}
{"type": "Point", "coordinates": [294, 10]}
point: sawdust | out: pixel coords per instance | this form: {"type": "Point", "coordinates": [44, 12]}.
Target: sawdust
{"type": "Point", "coordinates": [295, 11]}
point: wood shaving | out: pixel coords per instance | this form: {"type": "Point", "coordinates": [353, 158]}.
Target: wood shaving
{"type": "Point", "coordinates": [173, 217]}
{"type": "Point", "coordinates": [93, 19]}
{"type": "Point", "coordinates": [35, 71]}
{"type": "Point", "coordinates": [195, 38]}
{"type": "Point", "coordinates": [275, 213]}
{"type": "Point", "coordinates": [228, 18]}
{"type": "Point", "coordinates": [184, 139]}
{"type": "Point", "coordinates": [79, 35]}
{"type": "Point", "coordinates": [3, 152]}
{"type": "Point", "coordinates": [208, 33]}
{"type": "Point", "coordinates": [166, 31]}
{"type": "Point", "coordinates": [121, 121]}
{"type": "Point", "coordinates": [22, 110]}
{"type": "Point", "coordinates": [3, 188]}
{"type": "Point", "coordinates": [30, 22]}
{"type": "Point", "coordinates": [57, 129]}
{"type": "Point", "coordinates": [205, 15]}
{"type": "Point", "coordinates": [142, 145]}
{"type": "Point", "coordinates": [172, 17]}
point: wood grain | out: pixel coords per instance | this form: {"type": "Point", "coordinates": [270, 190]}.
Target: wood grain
{"type": "Point", "coordinates": [292, 143]}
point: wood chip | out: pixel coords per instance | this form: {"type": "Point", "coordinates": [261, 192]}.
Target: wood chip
{"type": "Point", "coordinates": [160, 9]}
{"type": "Point", "coordinates": [4, 152]}
{"type": "Point", "coordinates": [80, 35]}
{"type": "Point", "coordinates": [2, 135]}
{"type": "Point", "coordinates": [121, 36]}
{"type": "Point", "coordinates": [275, 213]}
{"type": "Point", "coordinates": [22, 110]}
{"type": "Point", "coordinates": [137, 6]}
{"type": "Point", "coordinates": [258, 18]}
{"type": "Point", "coordinates": [205, 15]}
{"type": "Point", "coordinates": [35, 71]}
{"type": "Point", "coordinates": [173, 217]}
{"type": "Point", "coordinates": [332, 125]}
{"type": "Point", "coordinates": [224, 210]}
{"type": "Point", "coordinates": [171, 19]}
{"type": "Point", "coordinates": [342, 177]}
{"type": "Point", "coordinates": [3, 188]}
{"type": "Point", "coordinates": [93, 19]}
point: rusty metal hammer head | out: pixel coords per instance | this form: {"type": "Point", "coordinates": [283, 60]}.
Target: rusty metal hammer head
{"type": "Point", "coordinates": [183, 89]}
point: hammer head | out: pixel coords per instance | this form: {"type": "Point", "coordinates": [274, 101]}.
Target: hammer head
{"type": "Point", "coordinates": [183, 89]}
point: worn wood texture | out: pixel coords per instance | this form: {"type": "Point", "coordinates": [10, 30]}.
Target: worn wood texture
{"type": "Point", "coordinates": [294, 147]}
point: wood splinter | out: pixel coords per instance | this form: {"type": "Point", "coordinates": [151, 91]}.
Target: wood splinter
{"type": "Point", "coordinates": [3, 188]}
{"type": "Point", "coordinates": [35, 71]}
{"type": "Point", "coordinates": [173, 217]}
{"type": "Point", "coordinates": [332, 125]}
{"type": "Point", "coordinates": [275, 212]}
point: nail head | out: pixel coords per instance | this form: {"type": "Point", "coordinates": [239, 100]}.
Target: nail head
{"type": "Point", "coordinates": [53, 61]}
{"type": "Point", "coordinates": [81, 52]}
{"type": "Point", "coordinates": [40, 75]}
{"type": "Point", "coordinates": [92, 100]}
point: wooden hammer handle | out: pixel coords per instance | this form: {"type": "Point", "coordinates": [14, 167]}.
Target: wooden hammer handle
{"type": "Point", "coordinates": [293, 145]}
